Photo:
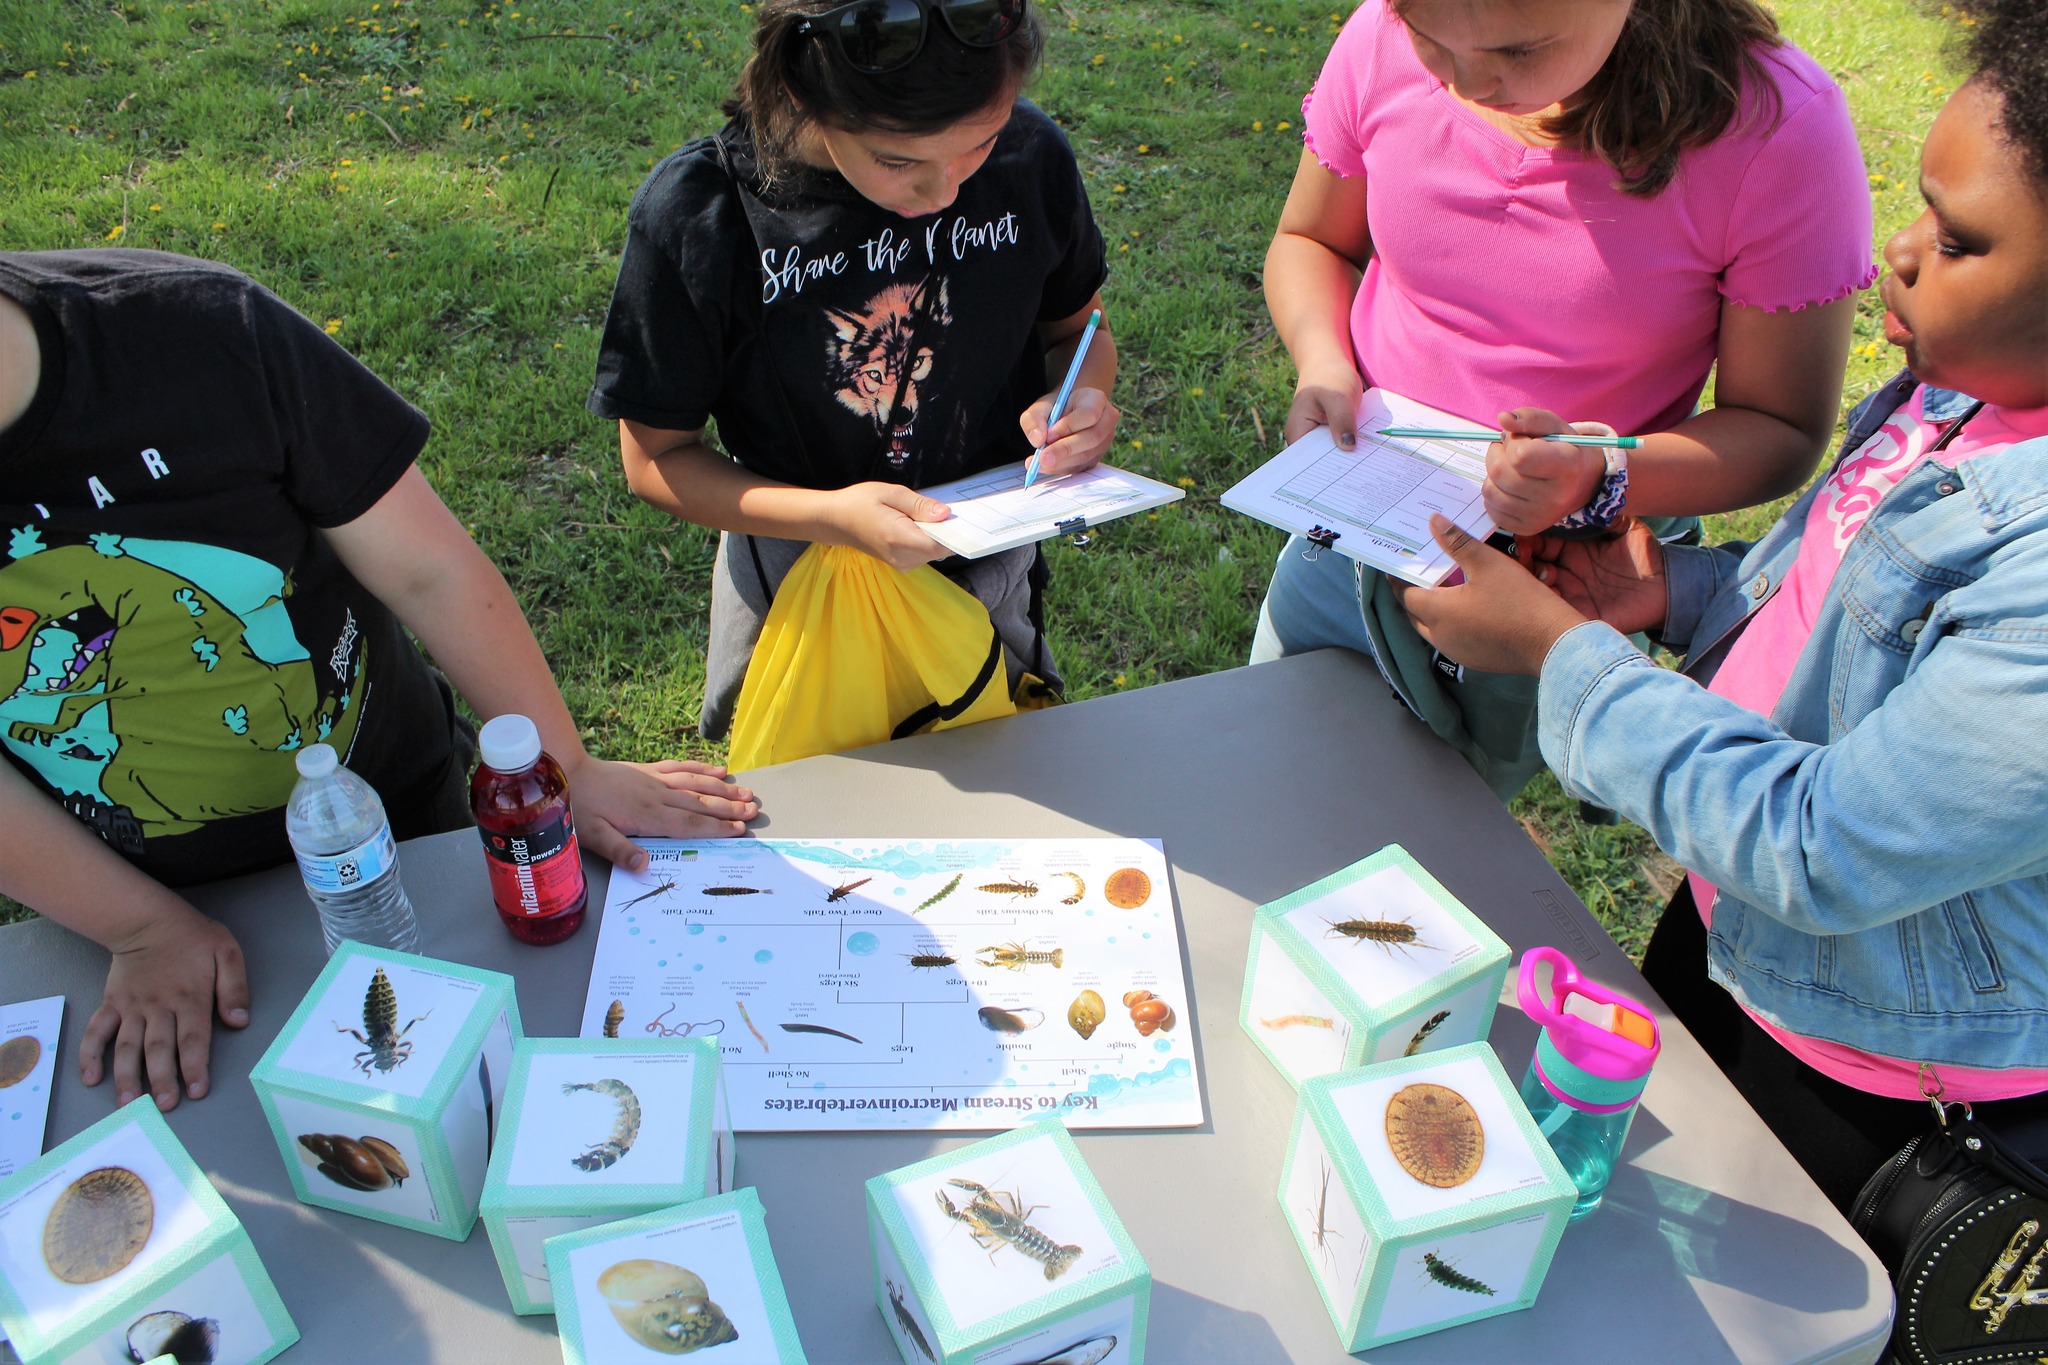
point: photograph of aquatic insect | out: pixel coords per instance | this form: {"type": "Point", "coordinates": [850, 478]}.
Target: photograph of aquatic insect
{"type": "Point", "coordinates": [906, 1321]}
{"type": "Point", "coordinates": [614, 1017]}
{"type": "Point", "coordinates": [1429, 1026]}
{"type": "Point", "coordinates": [625, 1123]}
{"type": "Point", "coordinates": [1444, 1273]}
{"type": "Point", "coordinates": [1389, 934]}
{"type": "Point", "coordinates": [1021, 890]}
{"type": "Point", "coordinates": [845, 889]}
{"type": "Point", "coordinates": [998, 1218]}
{"type": "Point", "coordinates": [1079, 884]}
{"type": "Point", "coordinates": [385, 1045]}
{"type": "Point", "coordinates": [1092, 1351]}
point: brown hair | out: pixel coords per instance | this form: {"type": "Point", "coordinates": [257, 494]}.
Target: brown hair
{"type": "Point", "coordinates": [795, 77]}
{"type": "Point", "coordinates": [1673, 81]}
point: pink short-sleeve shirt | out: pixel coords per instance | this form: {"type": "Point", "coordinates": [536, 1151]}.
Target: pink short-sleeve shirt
{"type": "Point", "coordinates": [1505, 275]}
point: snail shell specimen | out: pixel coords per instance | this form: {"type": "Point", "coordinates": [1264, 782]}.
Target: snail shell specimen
{"type": "Point", "coordinates": [1435, 1134]}
{"type": "Point", "coordinates": [1127, 888]}
{"type": "Point", "coordinates": [1085, 1013]}
{"type": "Point", "coordinates": [187, 1340]}
{"type": "Point", "coordinates": [1149, 1013]}
{"type": "Point", "coordinates": [98, 1225]}
{"type": "Point", "coordinates": [664, 1307]}
{"type": "Point", "coordinates": [18, 1057]}
{"type": "Point", "coordinates": [367, 1163]}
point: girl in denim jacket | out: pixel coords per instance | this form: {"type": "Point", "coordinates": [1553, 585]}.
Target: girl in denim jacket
{"type": "Point", "coordinates": [1854, 760]}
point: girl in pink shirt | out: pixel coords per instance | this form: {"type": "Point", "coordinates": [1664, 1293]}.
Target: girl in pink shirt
{"type": "Point", "coordinates": [1490, 217]}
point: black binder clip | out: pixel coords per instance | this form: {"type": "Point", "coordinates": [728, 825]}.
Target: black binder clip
{"type": "Point", "coordinates": [1073, 528]}
{"type": "Point", "coordinates": [1319, 538]}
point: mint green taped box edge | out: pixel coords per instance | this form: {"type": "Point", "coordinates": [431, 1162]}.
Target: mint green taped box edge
{"type": "Point", "coordinates": [746, 1203]}
{"type": "Point", "coordinates": [1553, 1200]}
{"type": "Point", "coordinates": [420, 1115]}
{"type": "Point", "coordinates": [1268, 927]}
{"type": "Point", "coordinates": [705, 1165]}
{"type": "Point", "coordinates": [955, 1345]}
{"type": "Point", "coordinates": [223, 1236]}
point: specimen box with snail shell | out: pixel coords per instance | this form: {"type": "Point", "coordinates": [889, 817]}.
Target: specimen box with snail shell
{"type": "Point", "coordinates": [385, 1088]}
{"type": "Point", "coordinates": [1007, 1253]}
{"type": "Point", "coordinates": [697, 1277]}
{"type": "Point", "coordinates": [595, 1130]}
{"type": "Point", "coordinates": [115, 1246]}
{"type": "Point", "coordinates": [1421, 1195]}
{"type": "Point", "coordinates": [1372, 962]}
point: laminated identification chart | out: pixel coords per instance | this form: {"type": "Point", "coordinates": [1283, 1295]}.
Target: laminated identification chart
{"type": "Point", "coordinates": [1377, 498]}
{"type": "Point", "coordinates": [882, 984]}
{"type": "Point", "coordinates": [993, 511]}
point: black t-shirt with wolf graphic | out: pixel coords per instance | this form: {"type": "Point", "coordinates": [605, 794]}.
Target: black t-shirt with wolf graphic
{"type": "Point", "coordinates": [173, 626]}
{"type": "Point", "coordinates": [833, 340]}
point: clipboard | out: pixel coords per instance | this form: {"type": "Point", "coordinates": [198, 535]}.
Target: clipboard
{"type": "Point", "coordinates": [1373, 503]}
{"type": "Point", "coordinates": [993, 511]}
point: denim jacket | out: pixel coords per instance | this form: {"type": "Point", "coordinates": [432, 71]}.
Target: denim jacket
{"type": "Point", "coordinates": [1880, 841]}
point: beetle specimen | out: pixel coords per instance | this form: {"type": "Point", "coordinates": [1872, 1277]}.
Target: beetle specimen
{"type": "Point", "coordinates": [840, 893]}
{"type": "Point", "coordinates": [384, 1043]}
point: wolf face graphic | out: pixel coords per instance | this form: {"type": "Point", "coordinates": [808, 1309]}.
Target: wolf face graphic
{"type": "Point", "coordinates": [880, 357]}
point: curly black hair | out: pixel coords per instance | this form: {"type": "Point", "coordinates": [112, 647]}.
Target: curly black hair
{"type": "Point", "coordinates": [2009, 48]}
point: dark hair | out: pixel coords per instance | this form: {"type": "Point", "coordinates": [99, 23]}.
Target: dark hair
{"type": "Point", "coordinates": [1673, 81]}
{"type": "Point", "coordinates": [2009, 46]}
{"type": "Point", "coordinates": [796, 77]}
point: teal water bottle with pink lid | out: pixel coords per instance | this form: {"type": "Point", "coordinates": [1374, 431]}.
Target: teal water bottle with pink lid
{"type": "Point", "coordinates": [1592, 1061]}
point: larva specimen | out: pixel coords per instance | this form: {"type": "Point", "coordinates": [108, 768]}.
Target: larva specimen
{"type": "Point", "coordinates": [948, 889]}
{"type": "Point", "coordinates": [1449, 1277]}
{"type": "Point", "coordinates": [625, 1127]}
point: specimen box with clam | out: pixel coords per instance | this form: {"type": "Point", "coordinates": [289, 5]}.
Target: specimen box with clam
{"type": "Point", "coordinates": [1421, 1195]}
{"type": "Point", "coordinates": [1373, 962]}
{"type": "Point", "coordinates": [699, 1277]}
{"type": "Point", "coordinates": [115, 1246]}
{"type": "Point", "coordinates": [595, 1130]}
{"type": "Point", "coordinates": [1006, 1253]}
{"type": "Point", "coordinates": [385, 1088]}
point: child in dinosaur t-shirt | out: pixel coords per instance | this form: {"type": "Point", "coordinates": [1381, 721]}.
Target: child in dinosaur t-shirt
{"type": "Point", "coordinates": [212, 543]}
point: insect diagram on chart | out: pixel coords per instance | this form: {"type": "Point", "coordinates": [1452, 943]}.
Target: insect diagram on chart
{"type": "Point", "coordinates": [897, 984]}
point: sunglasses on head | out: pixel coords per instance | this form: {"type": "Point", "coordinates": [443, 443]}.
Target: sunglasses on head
{"type": "Point", "coordinates": [876, 36]}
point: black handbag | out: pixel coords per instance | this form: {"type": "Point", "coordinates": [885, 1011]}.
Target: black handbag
{"type": "Point", "coordinates": [1961, 1221]}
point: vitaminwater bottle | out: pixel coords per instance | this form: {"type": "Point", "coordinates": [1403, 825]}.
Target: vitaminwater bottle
{"type": "Point", "coordinates": [346, 855]}
{"type": "Point", "coordinates": [521, 803]}
{"type": "Point", "coordinates": [1590, 1067]}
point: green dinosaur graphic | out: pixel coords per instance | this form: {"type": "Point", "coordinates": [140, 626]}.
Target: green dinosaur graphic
{"type": "Point", "coordinates": [150, 700]}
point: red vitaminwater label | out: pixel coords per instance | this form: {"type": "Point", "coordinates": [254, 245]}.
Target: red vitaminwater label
{"type": "Point", "coordinates": [537, 873]}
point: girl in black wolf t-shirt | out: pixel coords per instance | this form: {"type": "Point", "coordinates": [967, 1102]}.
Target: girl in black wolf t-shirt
{"type": "Point", "coordinates": [871, 278]}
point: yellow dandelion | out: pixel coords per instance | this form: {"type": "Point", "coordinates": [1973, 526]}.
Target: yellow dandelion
{"type": "Point", "coordinates": [116, 231]}
{"type": "Point", "coordinates": [331, 326]}
{"type": "Point", "coordinates": [1185, 482]}
{"type": "Point", "coordinates": [1258, 125]}
{"type": "Point", "coordinates": [1282, 126]}
{"type": "Point", "coordinates": [1120, 680]}
{"type": "Point", "coordinates": [1195, 392]}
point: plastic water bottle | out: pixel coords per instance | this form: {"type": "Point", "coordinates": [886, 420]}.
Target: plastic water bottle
{"type": "Point", "coordinates": [347, 856]}
{"type": "Point", "coordinates": [1590, 1067]}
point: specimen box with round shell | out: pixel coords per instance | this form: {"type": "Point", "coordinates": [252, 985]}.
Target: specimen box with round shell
{"type": "Point", "coordinates": [1370, 963]}
{"type": "Point", "coordinates": [595, 1130]}
{"type": "Point", "coordinates": [1422, 1195]}
{"type": "Point", "coordinates": [385, 1088]}
{"type": "Point", "coordinates": [697, 1277]}
{"type": "Point", "coordinates": [115, 1246]}
{"type": "Point", "coordinates": [1006, 1252]}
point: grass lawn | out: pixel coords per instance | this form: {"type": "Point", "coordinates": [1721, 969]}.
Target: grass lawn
{"type": "Point", "coordinates": [444, 186]}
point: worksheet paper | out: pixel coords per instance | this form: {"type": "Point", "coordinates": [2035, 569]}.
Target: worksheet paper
{"type": "Point", "coordinates": [993, 511]}
{"type": "Point", "coordinates": [1379, 496]}
{"type": "Point", "coordinates": [28, 1068]}
{"type": "Point", "coordinates": [921, 984]}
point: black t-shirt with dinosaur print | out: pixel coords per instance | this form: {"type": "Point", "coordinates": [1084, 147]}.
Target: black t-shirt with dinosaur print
{"type": "Point", "coordinates": [833, 340]}
{"type": "Point", "coordinates": [173, 627]}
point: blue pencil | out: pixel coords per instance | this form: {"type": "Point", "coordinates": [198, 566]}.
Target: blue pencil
{"type": "Point", "coordinates": [1059, 403]}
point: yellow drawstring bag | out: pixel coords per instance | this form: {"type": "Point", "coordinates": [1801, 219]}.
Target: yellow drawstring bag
{"type": "Point", "coordinates": [854, 652]}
